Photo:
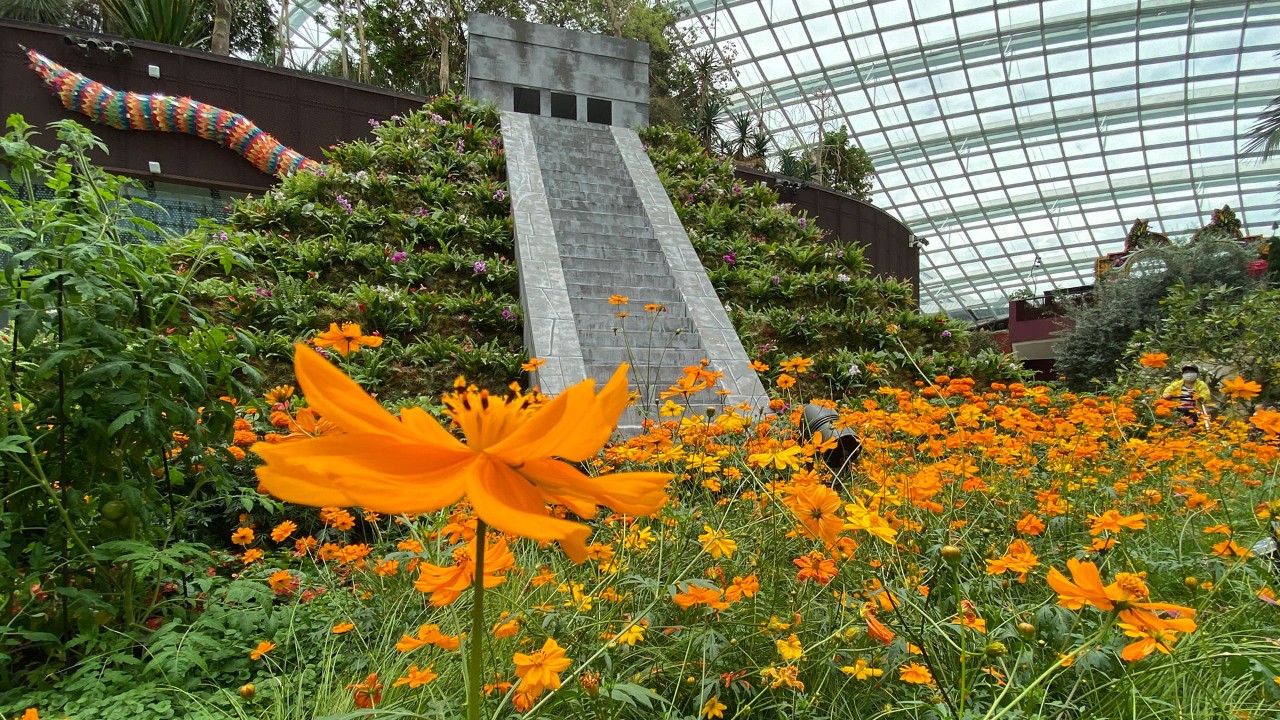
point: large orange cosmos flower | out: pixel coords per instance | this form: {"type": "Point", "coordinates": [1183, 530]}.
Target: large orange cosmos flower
{"type": "Point", "coordinates": [1237, 388]}
{"type": "Point", "coordinates": [1128, 594]}
{"type": "Point", "coordinates": [514, 461]}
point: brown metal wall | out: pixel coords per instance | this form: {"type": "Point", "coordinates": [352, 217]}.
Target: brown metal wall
{"type": "Point", "coordinates": [309, 113]}
{"type": "Point", "coordinates": [305, 112]}
{"type": "Point", "coordinates": [888, 248]}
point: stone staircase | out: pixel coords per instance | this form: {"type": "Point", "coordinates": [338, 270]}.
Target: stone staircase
{"type": "Point", "coordinates": [608, 248]}
{"type": "Point", "coordinates": [590, 225]}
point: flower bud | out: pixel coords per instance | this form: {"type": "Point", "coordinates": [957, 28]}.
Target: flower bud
{"type": "Point", "coordinates": [995, 649]}
{"type": "Point", "coordinates": [951, 554]}
{"type": "Point", "coordinates": [247, 691]}
{"type": "Point", "coordinates": [1026, 630]}
{"type": "Point", "coordinates": [1191, 583]}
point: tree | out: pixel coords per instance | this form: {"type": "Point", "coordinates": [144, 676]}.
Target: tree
{"type": "Point", "coordinates": [1092, 353]}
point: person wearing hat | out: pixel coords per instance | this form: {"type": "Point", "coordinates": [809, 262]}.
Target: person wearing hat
{"type": "Point", "coordinates": [1191, 392]}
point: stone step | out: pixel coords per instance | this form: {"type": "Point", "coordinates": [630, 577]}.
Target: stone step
{"type": "Point", "coordinates": [603, 281]}
{"type": "Point", "coordinates": [571, 252]}
{"type": "Point", "coordinates": [634, 324]}
{"type": "Point", "coordinates": [633, 339]}
{"type": "Point", "coordinates": [583, 264]}
{"type": "Point", "coordinates": [661, 358]}
{"type": "Point", "coordinates": [597, 303]}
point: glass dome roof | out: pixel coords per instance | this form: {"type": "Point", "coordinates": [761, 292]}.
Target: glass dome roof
{"type": "Point", "coordinates": [1019, 140]}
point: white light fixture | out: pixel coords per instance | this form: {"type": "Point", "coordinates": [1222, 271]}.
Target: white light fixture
{"type": "Point", "coordinates": [154, 167]}
{"type": "Point", "coordinates": [153, 71]}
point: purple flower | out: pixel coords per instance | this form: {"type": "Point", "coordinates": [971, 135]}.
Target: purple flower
{"type": "Point", "coordinates": [839, 253]}
{"type": "Point", "coordinates": [803, 222]}
{"type": "Point", "coordinates": [494, 142]}
{"type": "Point", "coordinates": [946, 333]}
{"type": "Point", "coordinates": [507, 314]}
{"type": "Point", "coordinates": [400, 257]}
{"type": "Point", "coordinates": [263, 292]}
{"type": "Point", "coordinates": [777, 280]}
{"type": "Point", "coordinates": [499, 195]}
{"type": "Point", "coordinates": [373, 122]}
{"type": "Point", "coordinates": [737, 189]}
{"type": "Point", "coordinates": [460, 147]}
{"type": "Point", "coordinates": [346, 205]}
{"type": "Point", "coordinates": [479, 267]}
{"type": "Point", "coordinates": [731, 258]}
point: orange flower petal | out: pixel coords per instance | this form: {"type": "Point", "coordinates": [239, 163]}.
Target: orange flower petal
{"type": "Point", "coordinates": [338, 397]}
{"type": "Point", "coordinates": [509, 503]}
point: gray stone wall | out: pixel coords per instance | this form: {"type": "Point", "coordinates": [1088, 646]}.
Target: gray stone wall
{"type": "Point", "coordinates": [504, 54]}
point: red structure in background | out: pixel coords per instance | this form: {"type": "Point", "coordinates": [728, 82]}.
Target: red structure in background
{"type": "Point", "coordinates": [1034, 325]}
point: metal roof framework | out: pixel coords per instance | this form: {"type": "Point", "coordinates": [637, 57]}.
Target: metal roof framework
{"type": "Point", "coordinates": [1019, 139]}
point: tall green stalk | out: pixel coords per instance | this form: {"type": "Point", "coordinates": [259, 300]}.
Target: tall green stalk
{"type": "Point", "coordinates": [475, 655]}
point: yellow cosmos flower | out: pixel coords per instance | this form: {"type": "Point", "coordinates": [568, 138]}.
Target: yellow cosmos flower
{"type": "Point", "coordinates": [713, 708]}
{"type": "Point", "coordinates": [790, 648]}
{"type": "Point", "coordinates": [717, 542]}
{"type": "Point", "coordinates": [860, 670]}
{"type": "Point", "coordinates": [515, 459]}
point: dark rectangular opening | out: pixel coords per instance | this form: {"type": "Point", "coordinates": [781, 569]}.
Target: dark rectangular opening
{"type": "Point", "coordinates": [599, 111]}
{"type": "Point", "coordinates": [564, 106]}
{"type": "Point", "coordinates": [528, 100]}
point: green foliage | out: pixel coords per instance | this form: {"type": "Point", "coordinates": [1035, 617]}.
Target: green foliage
{"type": "Point", "coordinates": [408, 235]}
{"type": "Point", "coordinates": [1091, 354]}
{"type": "Point", "coordinates": [96, 383]}
{"type": "Point", "coordinates": [792, 290]}
{"type": "Point", "coordinates": [1232, 331]}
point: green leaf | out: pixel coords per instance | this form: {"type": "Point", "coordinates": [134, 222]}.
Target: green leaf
{"type": "Point", "coordinates": [124, 418]}
{"type": "Point", "coordinates": [632, 694]}
{"type": "Point", "coordinates": [14, 443]}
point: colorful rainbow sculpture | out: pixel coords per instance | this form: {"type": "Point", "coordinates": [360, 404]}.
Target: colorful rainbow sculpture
{"type": "Point", "coordinates": [165, 113]}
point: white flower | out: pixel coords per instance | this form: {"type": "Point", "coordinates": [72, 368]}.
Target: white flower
{"type": "Point", "coordinates": [854, 370]}
{"type": "Point", "coordinates": [842, 278]}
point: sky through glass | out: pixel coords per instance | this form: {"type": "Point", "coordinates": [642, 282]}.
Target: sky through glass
{"type": "Point", "coordinates": [1020, 140]}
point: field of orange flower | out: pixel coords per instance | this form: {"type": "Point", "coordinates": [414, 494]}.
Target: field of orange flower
{"type": "Point", "coordinates": [1010, 551]}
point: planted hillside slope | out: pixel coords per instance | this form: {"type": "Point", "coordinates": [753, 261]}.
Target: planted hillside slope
{"type": "Point", "coordinates": [792, 290]}
{"type": "Point", "coordinates": [409, 236]}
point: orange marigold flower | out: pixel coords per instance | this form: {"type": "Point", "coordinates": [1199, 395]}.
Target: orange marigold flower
{"type": "Point", "coordinates": [541, 670]}
{"type": "Point", "coordinates": [263, 648]}
{"type": "Point", "coordinates": [283, 582]}
{"type": "Point", "coordinates": [367, 693]}
{"type": "Point", "coordinates": [533, 364]}
{"type": "Point", "coordinates": [281, 532]}
{"type": "Point", "coordinates": [515, 460]}
{"type": "Point", "coordinates": [785, 381]}
{"type": "Point", "coordinates": [252, 555]}
{"type": "Point", "coordinates": [345, 340]}
{"type": "Point", "coordinates": [278, 394]}
{"type": "Point", "coordinates": [758, 366]}
{"type": "Point", "coordinates": [1237, 388]}
{"type": "Point", "coordinates": [619, 299]}
{"type": "Point", "coordinates": [915, 673]}
{"type": "Point", "coordinates": [694, 595]}
{"type": "Point", "coordinates": [1155, 360]}
{"type": "Point", "coordinates": [343, 627]}
{"type": "Point", "coordinates": [242, 536]}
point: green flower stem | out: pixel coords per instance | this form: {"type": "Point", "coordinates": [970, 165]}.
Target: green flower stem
{"type": "Point", "coordinates": [992, 714]}
{"type": "Point", "coordinates": [474, 655]}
